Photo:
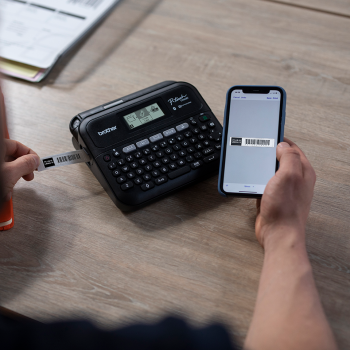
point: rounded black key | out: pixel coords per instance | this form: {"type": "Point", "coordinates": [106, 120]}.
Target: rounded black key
{"type": "Point", "coordinates": [168, 151]}
{"type": "Point", "coordinates": [107, 158]}
{"type": "Point", "coordinates": [139, 171]}
{"type": "Point", "coordinates": [127, 185]}
{"type": "Point", "coordinates": [199, 146]}
{"type": "Point", "coordinates": [196, 164]}
{"type": "Point", "coordinates": [130, 175]}
{"type": "Point", "coordinates": [129, 158]}
{"type": "Point", "coordinates": [147, 177]}
{"type": "Point", "coordinates": [171, 141]}
{"type": "Point", "coordinates": [176, 147]}
{"type": "Point", "coordinates": [165, 160]}
{"type": "Point", "coordinates": [163, 144]}
{"type": "Point", "coordinates": [121, 179]}
{"type": "Point", "coordinates": [196, 131]}
{"type": "Point", "coordinates": [148, 167]}
{"type": "Point", "coordinates": [155, 173]}
{"type": "Point", "coordinates": [198, 155]}
{"type": "Point", "coordinates": [147, 186]}
{"type": "Point", "coordinates": [155, 148]}
{"type": "Point", "coordinates": [146, 151]}
{"type": "Point", "coordinates": [142, 161]}
{"type": "Point", "coordinates": [209, 150]}
{"type": "Point", "coordinates": [179, 137]}
{"type": "Point", "coordinates": [215, 135]}
{"type": "Point", "coordinates": [172, 166]}
{"type": "Point", "coordinates": [112, 166]}
{"type": "Point", "coordinates": [211, 125]}
{"type": "Point", "coordinates": [174, 157]}
{"type": "Point", "coordinates": [164, 169]}
{"type": "Point", "coordinates": [138, 181]}
{"type": "Point", "coordinates": [125, 168]}
{"type": "Point", "coordinates": [116, 154]}
{"type": "Point", "coordinates": [185, 144]}
{"type": "Point", "coordinates": [189, 159]}
{"type": "Point", "coordinates": [161, 180]}
{"type": "Point", "coordinates": [151, 158]}
{"type": "Point", "coordinates": [120, 161]}
{"type": "Point", "coordinates": [157, 164]}
{"type": "Point", "coordinates": [193, 122]}
{"type": "Point", "coordinates": [218, 147]}
{"type": "Point", "coordinates": [134, 165]}
{"type": "Point", "coordinates": [116, 173]}
{"type": "Point", "coordinates": [160, 154]}
{"type": "Point", "coordinates": [181, 162]}
{"type": "Point", "coordinates": [206, 143]}
{"type": "Point", "coordinates": [193, 140]}
{"type": "Point", "coordinates": [182, 153]}
{"type": "Point", "coordinates": [138, 155]}
{"type": "Point", "coordinates": [204, 128]}
{"type": "Point", "coordinates": [201, 137]}
{"type": "Point", "coordinates": [188, 134]}
{"type": "Point", "coordinates": [191, 150]}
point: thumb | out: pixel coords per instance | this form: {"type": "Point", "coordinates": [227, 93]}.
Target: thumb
{"type": "Point", "coordinates": [280, 149]}
{"type": "Point", "coordinates": [22, 166]}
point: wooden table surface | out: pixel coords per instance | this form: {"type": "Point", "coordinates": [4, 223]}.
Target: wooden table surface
{"type": "Point", "coordinates": [72, 253]}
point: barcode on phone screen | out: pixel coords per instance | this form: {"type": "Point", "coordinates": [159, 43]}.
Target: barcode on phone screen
{"type": "Point", "coordinates": [252, 142]}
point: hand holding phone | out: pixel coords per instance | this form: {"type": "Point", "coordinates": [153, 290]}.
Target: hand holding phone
{"type": "Point", "coordinates": [253, 126]}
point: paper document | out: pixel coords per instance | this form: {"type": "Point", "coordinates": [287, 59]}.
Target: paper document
{"type": "Point", "coordinates": [37, 32]}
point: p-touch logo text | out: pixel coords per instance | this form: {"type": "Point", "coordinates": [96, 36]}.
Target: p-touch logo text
{"type": "Point", "coordinates": [104, 132]}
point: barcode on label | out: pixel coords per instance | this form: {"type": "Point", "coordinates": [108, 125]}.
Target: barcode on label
{"type": "Point", "coordinates": [68, 158]}
{"type": "Point", "coordinates": [87, 3]}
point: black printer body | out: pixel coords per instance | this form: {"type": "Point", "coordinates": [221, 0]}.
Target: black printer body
{"type": "Point", "coordinates": [150, 143]}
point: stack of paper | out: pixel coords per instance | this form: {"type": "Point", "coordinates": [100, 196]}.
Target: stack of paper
{"type": "Point", "coordinates": [34, 34]}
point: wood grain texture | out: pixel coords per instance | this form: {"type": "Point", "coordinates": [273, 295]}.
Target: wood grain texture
{"type": "Point", "coordinates": [73, 253]}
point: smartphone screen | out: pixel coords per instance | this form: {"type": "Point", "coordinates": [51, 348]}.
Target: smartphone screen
{"type": "Point", "coordinates": [253, 128]}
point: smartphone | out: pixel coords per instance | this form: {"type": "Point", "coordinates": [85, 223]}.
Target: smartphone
{"type": "Point", "coordinates": [253, 126]}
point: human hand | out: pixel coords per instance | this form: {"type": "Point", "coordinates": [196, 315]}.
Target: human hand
{"type": "Point", "coordinates": [20, 161]}
{"type": "Point", "coordinates": [287, 197]}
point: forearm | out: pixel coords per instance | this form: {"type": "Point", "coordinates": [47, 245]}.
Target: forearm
{"type": "Point", "coordinates": [288, 312]}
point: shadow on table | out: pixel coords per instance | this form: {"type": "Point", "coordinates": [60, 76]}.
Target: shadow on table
{"type": "Point", "coordinates": [90, 53]}
{"type": "Point", "coordinates": [23, 248]}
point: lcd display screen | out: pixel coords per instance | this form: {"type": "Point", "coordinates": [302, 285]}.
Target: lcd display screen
{"type": "Point", "coordinates": [143, 116]}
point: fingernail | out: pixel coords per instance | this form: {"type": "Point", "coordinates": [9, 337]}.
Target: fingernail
{"type": "Point", "coordinates": [283, 144]}
{"type": "Point", "coordinates": [37, 161]}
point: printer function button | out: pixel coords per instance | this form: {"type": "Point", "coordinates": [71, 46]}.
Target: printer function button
{"type": "Point", "coordinates": [211, 158]}
{"type": "Point", "coordinates": [129, 148]}
{"type": "Point", "coordinates": [155, 138]}
{"type": "Point", "coordinates": [204, 118]}
{"type": "Point", "coordinates": [127, 185]}
{"type": "Point", "coordinates": [107, 158]}
{"type": "Point", "coordinates": [196, 164]}
{"type": "Point", "coordinates": [142, 143]}
{"type": "Point", "coordinates": [116, 154]}
{"type": "Point", "coordinates": [161, 180]}
{"type": "Point", "coordinates": [182, 126]}
{"type": "Point", "coordinates": [147, 186]}
{"type": "Point", "coordinates": [169, 132]}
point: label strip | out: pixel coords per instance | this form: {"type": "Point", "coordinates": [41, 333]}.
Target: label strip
{"type": "Point", "coordinates": [62, 159]}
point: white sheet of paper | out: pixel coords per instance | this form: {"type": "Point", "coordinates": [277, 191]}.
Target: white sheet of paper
{"type": "Point", "coordinates": [38, 32]}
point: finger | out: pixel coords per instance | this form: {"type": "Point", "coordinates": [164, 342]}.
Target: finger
{"type": "Point", "coordinates": [28, 177]}
{"type": "Point", "coordinates": [16, 149]}
{"type": "Point", "coordinates": [308, 170]}
{"type": "Point", "coordinates": [289, 159]}
{"type": "Point", "coordinates": [21, 167]}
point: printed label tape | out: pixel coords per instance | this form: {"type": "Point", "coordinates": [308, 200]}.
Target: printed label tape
{"type": "Point", "coordinates": [62, 159]}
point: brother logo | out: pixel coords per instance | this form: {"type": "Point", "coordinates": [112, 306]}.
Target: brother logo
{"type": "Point", "coordinates": [104, 132]}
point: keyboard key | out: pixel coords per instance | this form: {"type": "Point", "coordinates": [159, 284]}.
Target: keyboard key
{"type": "Point", "coordinates": [182, 153]}
{"type": "Point", "coordinates": [125, 168]}
{"type": "Point", "coordinates": [134, 165]}
{"type": "Point", "coordinates": [215, 136]}
{"type": "Point", "coordinates": [142, 161]}
{"type": "Point", "coordinates": [182, 126]}
{"type": "Point", "coordinates": [193, 140]}
{"type": "Point", "coordinates": [147, 177]}
{"type": "Point", "coordinates": [168, 151]}
{"type": "Point", "coordinates": [163, 144]}
{"type": "Point", "coordinates": [176, 147]}
{"type": "Point", "coordinates": [206, 143]}
{"type": "Point", "coordinates": [212, 158]}
{"type": "Point", "coordinates": [155, 148]}
{"type": "Point", "coordinates": [201, 137]}
{"type": "Point", "coordinates": [160, 154]}
{"type": "Point", "coordinates": [179, 137]}
{"type": "Point", "coordinates": [116, 173]}
{"type": "Point", "coordinates": [211, 125]}
{"type": "Point", "coordinates": [189, 159]}
{"type": "Point", "coordinates": [155, 173]}
{"type": "Point", "coordinates": [193, 122]}
{"type": "Point", "coordinates": [161, 180]}
{"type": "Point", "coordinates": [196, 164]}
{"type": "Point", "coordinates": [146, 151]}
{"type": "Point", "coordinates": [218, 147]}
{"type": "Point", "coordinates": [204, 118]}
{"type": "Point", "coordinates": [204, 128]}
{"type": "Point", "coordinates": [174, 157]}
{"type": "Point", "coordinates": [165, 160]}
{"type": "Point", "coordinates": [127, 185]}
{"type": "Point", "coordinates": [121, 179]}
{"type": "Point", "coordinates": [138, 155]}
{"type": "Point", "coordinates": [196, 131]}
{"type": "Point", "coordinates": [157, 164]}
{"type": "Point", "coordinates": [138, 181]}
{"type": "Point", "coordinates": [171, 141]}
{"type": "Point", "coordinates": [142, 143]}
{"type": "Point", "coordinates": [147, 186]}
{"type": "Point", "coordinates": [188, 134]}
{"type": "Point", "coordinates": [198, 155]}
{"type": "Point", "coordinates": [151, 158]}
{"type": "Point", "coordinates": [107, 158]}
{"type": "Point", "coordinates": [198, 146]}
{"type": "Point", "coordinates": [120, 161]}
{"type": "Point", "coordinates": [191, 150]}
{"type": "Point", "coordinates": [130, 175]}
{"type": "Point", "coordinates": [172, 166]}
{"type": "Point", "coordinates": [164, 169]}
{"type": "Point", "coordinates": [181, 162]}
{"type": "Point", "coordinates": [129, 148]}
{"type": "Point", "coordinates": [156, 137]}
{"type": "Point", "coordinates": [208, 150]}
{"type": "Point", "coordinates": [169, 132]}
{"type": "Point", "coordinates": [139, 171]}
{"type": "Point", "coordinates": [179, 172]}
{"type": "Point", "coordinates": [129, 158]}
{"type": "Point", "coordinates": [148, 167]}
{"type": "Point", "coordinates": [185, 144]}
{"type": "Point", "coordinates": [116, 154]}
{"type": "Point", "coordinates": [112, 166]}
